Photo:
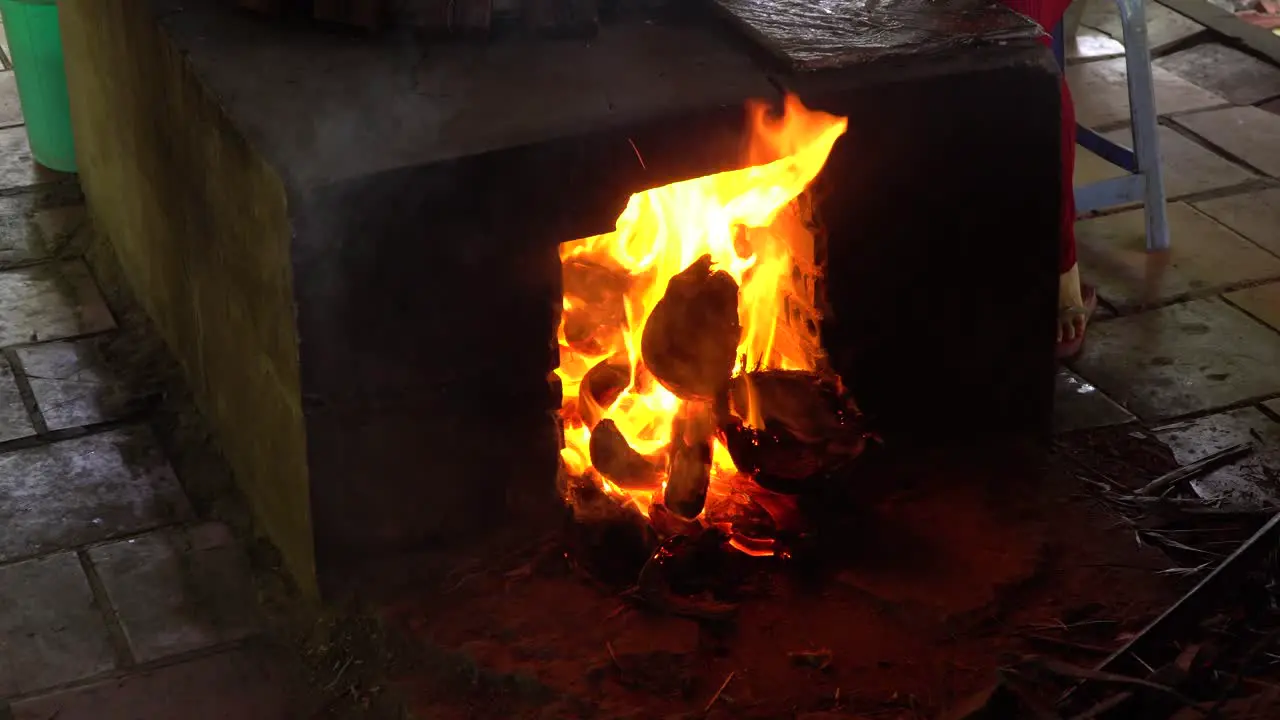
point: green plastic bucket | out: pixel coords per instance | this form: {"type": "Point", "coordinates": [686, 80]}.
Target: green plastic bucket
{"type": "Point", "coordinates": [35, 48]}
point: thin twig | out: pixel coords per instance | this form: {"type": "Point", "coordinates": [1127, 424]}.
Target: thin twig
{"type": "Point", "coordinates": [1066, 644]}
{"type": "Point", "coordinates": [1195, 469]}
{"type": "Point", "coordinates": [716, 697]}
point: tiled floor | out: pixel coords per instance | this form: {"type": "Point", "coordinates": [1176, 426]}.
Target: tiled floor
{"type": "Point", "coordinates": [115, 600]}
{"type": "Point", "coordinates": [1196, 343]}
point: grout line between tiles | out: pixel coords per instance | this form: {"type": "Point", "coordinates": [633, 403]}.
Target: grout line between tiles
{"type": "Point", "coordinates": [1173, 124]}
{"type": "Point", "coordinates": [122, 537]}
{"type": "Point", "coordinates": [26, 393]}
{"type": "Point", "coordinates": [1188, 132]}
{"type": "Point", "coordinates": [1160, 424]}
{"type": "Point", "coordinates": [135, 670]}
{"type": "Point", "coordinates": [50, 437]}
{"type": "Point", "coordinates": [1271, 414]}
{"type": "Point", "coordinates": [1124, 311]}
{"type": "Point", "coordinates": [1248, 314]}
{"type": "Point", "coordinates": [115, 630]}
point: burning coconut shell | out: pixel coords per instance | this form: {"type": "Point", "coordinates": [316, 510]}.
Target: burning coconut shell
{"type": "Point", "coordinates": [690, 340]}
{"type": "Point", "coordinates": [805, 428]}
{"type": "Point", "coordinates": [689, 471]}
{"type": "Point", "coordinates": [600, 387]}
{"type": "Point", "coordinates": [614, 458]}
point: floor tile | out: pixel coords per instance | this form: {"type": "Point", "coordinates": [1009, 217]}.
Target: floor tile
{"type": "Point", "coordinates": [1255, 215]}
{"type": "Point", "coordinates": [1164, 26]}
{"type": "Point", "coordinates": [1091, 168]}
{"type": "Point", "coordinates": [1248, 133]}
{"type": "Point", "coordinates": [83, 490]}
{"type": "Point", "coordinates": [50, 302]}
{"type": "Point", "coordinates": [1077, 405]}
{"type": "Point", "coordinates": [1236, 76]}
{"type": "Point", "coordinates": [14, 422]}
{"type": "Point", "coordinates": [1181, 359]}
{"type": "Point", "coordinates": [10, 110]}
{"type": "Point", "coordinates": [239, 685]}
{"type": "Point", "coordinates": [178, 590]}
{"type": "Point", "coordinates": [73, 386]}
{"type": "Point", "coordinates": [1101, 93]}
{"type": "Point", "coordinates": [17, 168]}
{"type": "Point", "coordinates": [62, 229]}
{"type": "Point", "coordinates": [19, 239]}
{"type": "Point", "coordinates": [1246, 480]}
{"type": "Point", "coordinates": [51, 630]}
{"type": "Point", "coordinates": [1090, 44]}
{"type": "Point", "coordinates": [1188, 166]}
{"type": "Point", "coordinates": [1261, 301]}
{"type": "Point", "coordinates": [1204, 257]}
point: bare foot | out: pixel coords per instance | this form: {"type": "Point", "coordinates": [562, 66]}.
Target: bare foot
{"type": "Point", "coordinates": [1073, 315]}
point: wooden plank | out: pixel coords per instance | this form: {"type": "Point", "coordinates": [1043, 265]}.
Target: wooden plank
{"type": "Point", "coordinates": [1257, 39]}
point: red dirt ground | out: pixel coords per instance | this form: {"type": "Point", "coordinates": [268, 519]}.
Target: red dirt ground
{"type": "Point", "coordinates": [942, 582]}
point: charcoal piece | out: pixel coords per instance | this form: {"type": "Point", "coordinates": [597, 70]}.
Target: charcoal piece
{"type": "Point", "coordinates": [689, 471]}
{"type": "Point", "coordinates": [610, 541]}
{"type": "Point", "coordinates": [596, 295]}
{"type": "Point", "coordinates": [600, 387]}
{"type": "Point", "coordinates": [563, 18]}
{"type": "Point", "coordinates": [614, 458]}
{"type": "Point", "coordinates": [808, 35]}
{"type": "Point", "coordinates": [691, 338]}
{"type": "Point", "coordinates": [804, 428]}
{"type": "Point", "coordinates": [591, 331]}
{"type": "Point", "coordinates": [594, 280]}
{"type": "Point", "coordinates": [667, 524]}
{"type": "Point", "coordinates": [676, 560]}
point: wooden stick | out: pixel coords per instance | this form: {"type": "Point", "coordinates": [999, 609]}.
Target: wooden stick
{"type": "Point", "coordinates": [1196, 469]}
{"type": "Point", "coordinates": [716, 697]}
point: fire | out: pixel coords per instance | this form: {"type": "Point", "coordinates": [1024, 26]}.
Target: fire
{"type": "Point", "coordinates": [748, 222]}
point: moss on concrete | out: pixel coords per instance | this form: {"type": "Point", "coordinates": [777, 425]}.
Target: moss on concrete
{"type": "Point", "coordinates": [200, 227]}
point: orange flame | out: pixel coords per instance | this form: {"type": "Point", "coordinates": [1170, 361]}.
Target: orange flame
{"type": "Point", "coordinates": [747, 221]}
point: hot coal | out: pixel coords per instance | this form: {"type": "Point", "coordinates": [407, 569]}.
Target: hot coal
{"type": "Point", "coordinates": [618, 461]}
{"type": "Point", "coordinates": [690, 340]}
{"type": "Point", "coordinates": [807, 428]}
{"type": "Point", "coordinates": [679, 562]}
{"type": "Point", "coordinates": [689, 472]}
{"type": "Point", "coordinates": [597, 306]}
{"type": "Point", "coordinates": [600, 387]}
{"type": "Point", "coordinates": [611, 542]}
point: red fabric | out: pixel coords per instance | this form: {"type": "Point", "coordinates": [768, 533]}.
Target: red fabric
{"type": "Point", "coordinates": [1048, 13]}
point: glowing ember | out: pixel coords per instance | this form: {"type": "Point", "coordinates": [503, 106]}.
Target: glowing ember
{"type": "Point", "coordinates": [648, 427]}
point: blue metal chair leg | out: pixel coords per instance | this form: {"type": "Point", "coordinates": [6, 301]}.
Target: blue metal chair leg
{"type": "Point", "coordinates": [1142, 110]}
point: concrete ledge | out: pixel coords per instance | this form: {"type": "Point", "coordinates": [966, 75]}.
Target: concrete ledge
{"type": "Point", "coordinates": [200, 224]}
